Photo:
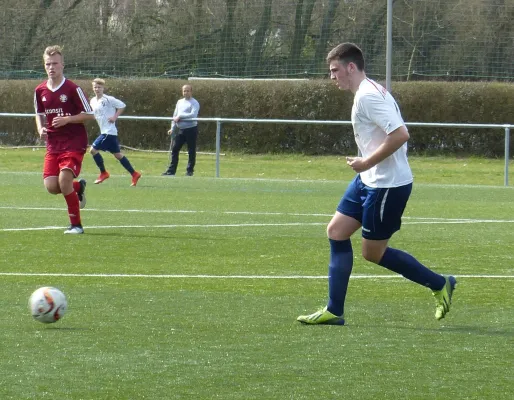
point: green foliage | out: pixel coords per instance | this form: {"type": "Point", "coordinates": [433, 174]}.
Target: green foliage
{"type": "Point", "coordinates": [457, 102]}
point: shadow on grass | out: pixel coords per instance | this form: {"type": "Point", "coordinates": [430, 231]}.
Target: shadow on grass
{"type": "Point", "coordinates": [63, 328]}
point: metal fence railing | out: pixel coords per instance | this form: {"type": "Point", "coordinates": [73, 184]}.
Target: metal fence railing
{"type": "Point", "coordinates": [219, 121]}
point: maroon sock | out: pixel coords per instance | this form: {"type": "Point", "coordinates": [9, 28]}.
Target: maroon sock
{"type": "Point", "coordinates": [73, 207]}
{"type": "Point", "coordinates": [76, 186]}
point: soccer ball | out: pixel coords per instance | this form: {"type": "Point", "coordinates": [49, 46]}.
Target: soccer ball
{"type": "Point", "coordinates": [47, 304]}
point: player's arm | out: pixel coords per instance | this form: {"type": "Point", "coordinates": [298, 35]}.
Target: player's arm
{"type": "Point", "coordinates": [118, 112]}
{"type": "Point", "coordinates": [40, 116]}
{"type": "Point", "coordinates": [40, 126]}
{"type": "Point", "coordinates": [86, 112]}
{"type": "Point", "coordinates": [57, 122]}
{"type": "Point", "coordinates": [119, 107]}
{"type": "Point", "coordinates": [392, 143]}
{"type": "Point", "coordinates": [385, 115]}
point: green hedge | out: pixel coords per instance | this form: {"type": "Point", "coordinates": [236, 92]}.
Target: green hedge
{"type": "Point", "coordinates": [318, 99]}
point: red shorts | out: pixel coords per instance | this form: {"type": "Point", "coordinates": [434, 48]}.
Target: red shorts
{"type": "Point", "coordinates": [55, 163]}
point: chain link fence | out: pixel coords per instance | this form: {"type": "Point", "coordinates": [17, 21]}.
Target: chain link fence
{"type": "Point", "coordinates": [432, 39]}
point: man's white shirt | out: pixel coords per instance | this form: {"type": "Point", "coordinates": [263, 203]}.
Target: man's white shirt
{"type": "Point", "coordinates": [104, 108]}
{"type": "Point", "coordinates": [375, 114]}
{"type": "Point", "coordinates": [186, 108]}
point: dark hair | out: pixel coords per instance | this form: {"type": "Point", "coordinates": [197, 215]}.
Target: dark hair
{"type": "Point", "coordinates": [347, 53]}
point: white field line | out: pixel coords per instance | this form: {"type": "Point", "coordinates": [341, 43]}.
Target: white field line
{"type": "Point", "coordinates": [161, 211]}
{"type": "Point", "coordinates": [411, 220]}
{"type": "Point", "coordinates": [199, 226]}
{"type": "Point", "coordinates": [50, 228]}
{"type": "Point", "coordinates": [419, 220]}
{"type": "Point", "coordinates": [184, 276]}
{"type": "Point", "coordinates": [320, 181]}
{"type": "Point", "coordinates": [47, 228]}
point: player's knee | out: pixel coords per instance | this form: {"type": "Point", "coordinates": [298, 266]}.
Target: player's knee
{"type": "Point", "coordinates": [330, 231]}
{"type": "Point", "coordinates": [334, 232]}
{"type": "Point", "coordinates": [372, 254]}
{"type": "Point", "coordinates": [53, 189]}
{"type": "Point", "coordinates": [92, 151]}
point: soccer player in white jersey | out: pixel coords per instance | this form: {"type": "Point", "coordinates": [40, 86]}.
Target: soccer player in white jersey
{"type": "Point", "coordinates": [107, 110]}
{"type": "Point", "coordinates": [377, 196]}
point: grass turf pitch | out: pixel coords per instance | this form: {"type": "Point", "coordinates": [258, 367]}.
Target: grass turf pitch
{"type": "Point", "coordinates": [190, 287]}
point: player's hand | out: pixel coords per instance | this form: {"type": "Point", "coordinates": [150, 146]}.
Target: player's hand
{"type": "Point", "coordinates": [112, 120]}
{"type": "Point", "coordinates": [57, 122]}
{"type": "Point", "coordinates": [358, 164]}
{"type": "Point", "coordinates": [43, 135]}
{"type": "Point", "coordinates": [170, 131]}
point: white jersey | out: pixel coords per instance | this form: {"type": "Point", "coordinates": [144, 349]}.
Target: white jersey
{"type": "Point", "coordinates": [104, 108]}
{"type": "Point", "coordinates": [375, 114]}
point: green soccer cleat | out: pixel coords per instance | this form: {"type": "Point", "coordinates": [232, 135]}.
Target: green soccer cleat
{"type": "Point", "coordinates": [443, 297]}
{"type": "Point", "coordinates": [321, 317]}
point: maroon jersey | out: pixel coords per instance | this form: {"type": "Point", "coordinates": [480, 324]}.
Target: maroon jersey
{"type": "Point", "coordinates": [67, 99]}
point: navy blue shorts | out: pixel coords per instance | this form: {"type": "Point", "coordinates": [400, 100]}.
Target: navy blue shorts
{"type": "Point", "coordinates": [379, 210]}
{"type": "Point", "coordinates": [108, 143]}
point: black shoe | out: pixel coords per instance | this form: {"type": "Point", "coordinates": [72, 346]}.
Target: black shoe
{"type": "Point", "coordinates": [81, 193]}
{"type": "Point", "coordinates": [188, 173]}
{"type": "Point", "coordinates": [167, 173]}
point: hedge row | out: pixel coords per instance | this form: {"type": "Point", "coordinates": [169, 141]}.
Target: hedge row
{"type": "Point", "coordinates": [310, 100]}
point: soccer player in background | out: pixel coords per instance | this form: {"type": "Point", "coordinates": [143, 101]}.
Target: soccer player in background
{"type": "Point", "coordinates": [61, 109]}
{"type": "Point", "coordinates": [377, 196]}
{"type": "Point", "coordinates": [107, 109]}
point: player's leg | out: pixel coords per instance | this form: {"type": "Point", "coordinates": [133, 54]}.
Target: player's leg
{"type": "Point", "coordinates": [99, 144]}
{"type": "Point", "coordinates": [116, 151]}
{"type": "Point", "coordinates": [342, 226]}
{"type": "Point", "coordinates": [70, 165]}
{"type": "Point", "coordinates": [175, 151]}
{"type": "Point", "coordinates": [339, 230]}
{"type": "Point", "coordinates": [80, 187]}
{"type": "Point", "coordinates": [191, 136]}
{"type": "Point", "coordinates": [381, 219]}
{"type": "Point", "coordinates": [52, 184]}
{"type": "Point", "coordinates": [51, 174]}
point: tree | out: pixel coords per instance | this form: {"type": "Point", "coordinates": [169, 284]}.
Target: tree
{"type": "Point", "coordinates": [324, 35]}
{"type": "Point", "coordinates": [226, 54]}
{"type": "Point", "coordinates": [255, 58]}
{"type": "Point", "coordinates": [302, 23]}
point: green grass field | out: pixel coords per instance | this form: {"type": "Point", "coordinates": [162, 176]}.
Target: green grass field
{"type": "Point", "coordinates": [189, 288]}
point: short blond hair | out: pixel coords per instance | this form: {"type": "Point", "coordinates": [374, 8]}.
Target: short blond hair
{"type": "Point", "coordinates": [99, 81]}
{"type": "Point", "coordinates": [53, 50]}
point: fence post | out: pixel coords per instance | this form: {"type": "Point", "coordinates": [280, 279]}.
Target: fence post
{"type": "Point", "coordinates": [389, 44]}
{"type": "Point", "coordinates": [218, 147]}
{"type": "Point", "coordinates": [507, 155]}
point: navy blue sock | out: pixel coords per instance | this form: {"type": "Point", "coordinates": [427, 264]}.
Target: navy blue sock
{"type": "Point", "coordinates": [403, 263]}
{"type": "Point", "coordinates": [126, 163]}
{"type": "Point", "coordinates": [99, 161]}
{"type": "Point", "coordinates": [339, 270]}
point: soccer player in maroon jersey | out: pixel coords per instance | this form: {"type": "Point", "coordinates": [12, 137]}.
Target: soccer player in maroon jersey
{"type": "Point", "coordinates": [61, 108]}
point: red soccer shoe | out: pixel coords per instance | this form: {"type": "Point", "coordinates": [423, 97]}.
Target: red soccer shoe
{"type": "Point", "coordinates": [103, 176]}
{"type": "Point", "coordinates": [135, 177]}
